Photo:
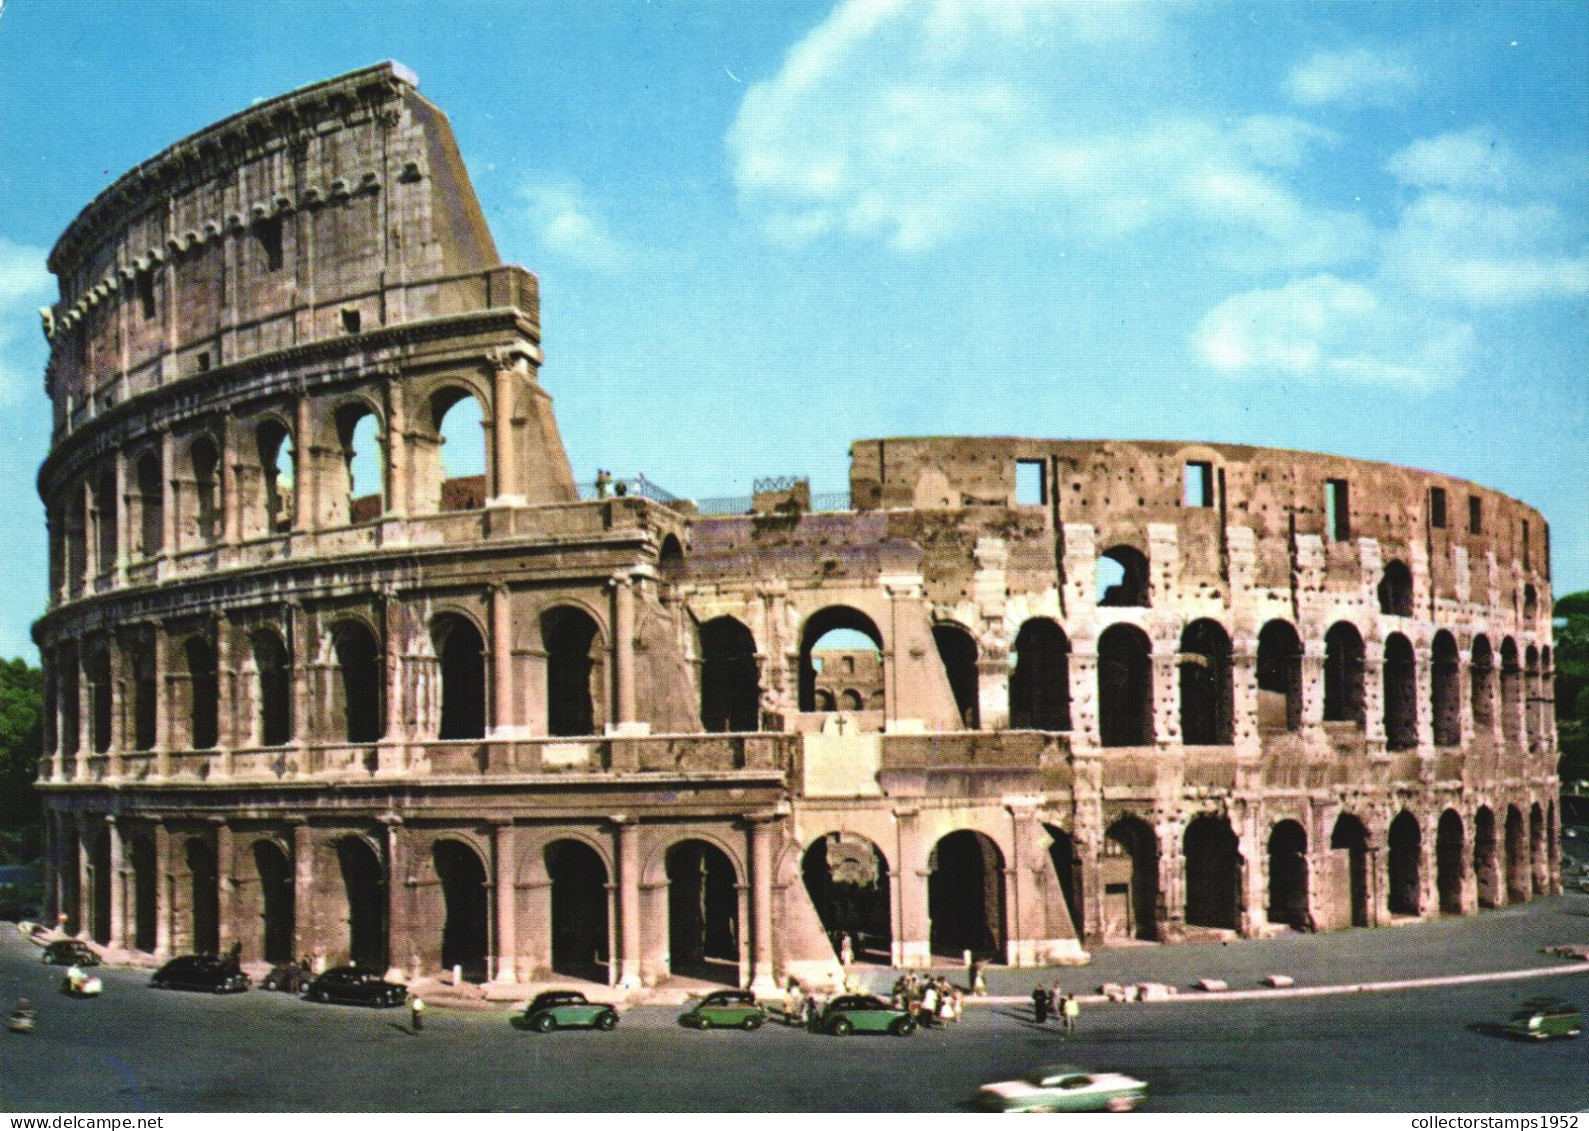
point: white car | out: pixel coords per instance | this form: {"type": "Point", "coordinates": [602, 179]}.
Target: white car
{"type": "Point", "coordinates": [1064, 1087]}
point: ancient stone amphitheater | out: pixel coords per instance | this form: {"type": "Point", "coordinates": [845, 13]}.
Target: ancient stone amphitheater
{"type": "Point", "coordinates": [313, 689]}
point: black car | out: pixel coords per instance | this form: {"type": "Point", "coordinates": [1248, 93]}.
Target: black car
{"type": "Point", "coordinates": [206, 972]}
{"type": "Point", "coordinates": [357, 986]}
{"type": "Point", "coordinates": [69, 952]}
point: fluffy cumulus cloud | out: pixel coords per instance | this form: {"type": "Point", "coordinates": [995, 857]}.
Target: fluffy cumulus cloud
{"type": "Point", "coordinates": [1472, 160]}
{"type": "Point", "coordinates": [568, 225]}
{"type": "Point", "coordinates": [1356, 78]}
{"type": "Point", "coordinates": [25, 286]}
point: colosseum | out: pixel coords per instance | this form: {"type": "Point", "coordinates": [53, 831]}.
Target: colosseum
{"type": "Point", "coordinates": [313, 689]}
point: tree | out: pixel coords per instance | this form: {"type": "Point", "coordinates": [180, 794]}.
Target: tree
{"type": "Point", "coordinates": [21, 742]}
{"type": "Point", "coordinates": [1572, 685]}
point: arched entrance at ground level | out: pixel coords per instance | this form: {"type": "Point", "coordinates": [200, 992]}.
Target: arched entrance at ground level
{"type": "Point", "coordinates": [730, 695]}
{"type": "Point", "coordinates": [579, 910]}
{"type": "Point", "coordinates": [206, 896]}
{"type": "Point", "coordinates": [1406, 865]}
{"type": "Point", "coordinates": [1516, 857]}
{"type": "Point", "coordinates": [1539, 864]}
{"type": "Point", "coordinates": [847, 880]}
{"type": "Point", "coordinates": [1213, 874]}
{"type": "Point", "coordinates": [1449, 857]}
{"type": "Point", "coordinates": [144, 908]}
{"type": "Point", "coordinates": [703, 912]}
{"type": "Point", "coordinates": [958, 652]}
{"type": "Point", "coordinates": [364, 883]}
{"type": "Point", "coordinates": [1350, 872]}
{"type": "Point", "coordinates": [466, 933]}
{"type": "Point", "coordinates": [1067, 870]}
{"type": "Point", "coordinates": [100, 879]}
{"type": "Point", "coordinates": [1130, 881]}
{"type": "Point", "coordinates": [70, 892]}
{"type": "Point", "coordinates": [1486, 861]}
{"type": "Point", "coordinates": [1288, 876]}
{"type": "Point", "coordinates": [965, 896]}
{"type": "Point", "coordinates": [276, 904]}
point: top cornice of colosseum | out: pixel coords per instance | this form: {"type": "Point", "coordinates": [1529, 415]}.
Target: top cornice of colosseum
{"type": "Point", "coordinates": [215, 148]}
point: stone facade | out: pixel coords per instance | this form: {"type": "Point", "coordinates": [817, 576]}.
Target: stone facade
{"type": "Point", "coordinates": [1115, 689]}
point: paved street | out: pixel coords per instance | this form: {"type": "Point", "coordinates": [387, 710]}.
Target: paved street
{"type": "Point", "coordinates": [1414, 1050]}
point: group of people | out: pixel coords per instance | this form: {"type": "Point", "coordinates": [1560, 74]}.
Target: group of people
{"type": "Point", "coordinates": [1055, 1002]}
{"type": "Point", "coordinates": [930, 1000]}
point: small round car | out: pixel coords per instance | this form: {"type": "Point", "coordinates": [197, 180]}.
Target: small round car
{"type": "Point", "coordinates": [355, 985]}
{"type": "Point", "coordinates": [567, 1009]}
{"type": "Point", "coordinates": [726, 1009]}
{"type": "Point", "coordinates": [863, 1013]}
{"type": "Point", "coordinates": [69, 952]}
{"type": "Point", "coordinates": [207, 973]}
{"type": "Point", "coordinates": [1064, 1087]}
{"type": "Point", "coordinates": [1541, 1018]}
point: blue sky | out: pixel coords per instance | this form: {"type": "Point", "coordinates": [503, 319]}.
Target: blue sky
{"type": "Point", "coordinates": [764, 230]}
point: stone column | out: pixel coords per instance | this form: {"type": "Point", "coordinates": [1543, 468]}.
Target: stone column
{"type": "Point", "coordinates": [504, 463]}
{"type": "Point", "coordinates": [118, 906]}
{"type": "Point", "coordinates": [120, 704]}
{"type": "Point", "coordinates": [623, 621]}
{"type": "Point", "coordinates": [504, 714]}
{"type": "Point", "coordinates": [299, 654]}
{"type": "Point", "coordinates": [913, 939]}
{"type": "Point", "coordinates": [1423, 692]}
{"type": "Point", "coordinates": [170, 499]}
{"type": "Point", "coordinates": [630, 950]}
{"type": "Point", "coordinates": [305, 933]}
{"type": "Point", "coordinates": [397, 474]}
{"type": "Point", "coordinates": [507, 904]}
{"type": "Point", "coordinates": [1312, 685]}
{"type": "Point", "coordinates": [1166, 690]}
{"type": "Point", "coordinates": [1374, 696]}
{"type": "Point", "coordinates": [399, 940]}
{"type": "Point", "coordinates": [164, 895]}
{"type": "Point", "coordinates": [231, 505]}
{"type": "Point", "coordinates": [225, 927]}
{"type": "Point", "coordinates": [302, 463]}
{"type": "Point", "coordinates": [123, 540]}
{"type": "Point", "coordinates": [762, 828]}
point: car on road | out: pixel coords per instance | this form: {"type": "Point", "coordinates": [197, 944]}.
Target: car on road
{"type": "Point", "coordinates": [568, 1009]}
{"type": "Point", "coordinates": [1540, 1018]}
{"type": "Point", "coordinates": [1064, 1087]}
{"type": "Point", "coordinates": [355, 985]}
{"type": "Point", "coordinates": [863, 1013]}
{"type": "Point", "coordinates": [69, 952]}
{"type": "Point", "coordinates": [726, 1009]}
{"type": "Point", "coordinates": [206, 972]}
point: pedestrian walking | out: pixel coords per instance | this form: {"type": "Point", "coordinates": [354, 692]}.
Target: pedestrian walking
{"type": "Point", "coordinates": [846, 951]}
{"type": "Point", "coordinates": [929, 1006]}
{"type": "Point", "coordinates": [1071, 1011]}
{"type": "Point", "coordinates": [416, 1011]}
{"type": "Point", "coordinates": [1040, 1005]}
{"type": "Point", "coordinates": [979, 978]}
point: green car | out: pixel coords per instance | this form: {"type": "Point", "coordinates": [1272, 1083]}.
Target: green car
{"type": "Point", "coordinates": [863, 1013]}
{"type": "Point", "coordinates": [726, 1009]}
{"type": "Point", "coordinates": [568, 1009]}
{"type": "Point", "coordinates": [1540, 1018]}
{"type": "Point", "coordinates": [1063, 1087]}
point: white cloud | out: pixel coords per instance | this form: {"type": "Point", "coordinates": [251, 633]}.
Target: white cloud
{"type": "Point", "coordinates": [1474, 160]}
{"type": "Point", "coordinates": [1355, 78]}
{"type": "Point", "coordinates": [568, 225]}
{"type": "Point", "coordinates": [25, 286]}
{"type": "Point", "coordinates": [1324, 328]}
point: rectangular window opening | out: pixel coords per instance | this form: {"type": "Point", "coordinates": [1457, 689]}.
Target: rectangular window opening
{"type": "Point", "coordinates": [350, 321]}
{"type": "Point", "coordinates": [268, 233]}
{"type": "Point", "coordinates": [146, 293]}
{"type": "Point", "coordinates": [1197, 485]}
{"type": "Point", "coordinates": [1475, 515]}
{"type": "Point", "coordinates": [1437, 507]}
{"type": "Point", "coordinates": [1338, 509]}
{"type": "Point", "coordinates": [1031, 485]}
{"type": "Point", "coordinates": [204, 361]}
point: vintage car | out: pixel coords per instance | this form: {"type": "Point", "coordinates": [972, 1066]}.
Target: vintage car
{"type": "Point", "coordinates": [1063, 1087]}
{"type": "Point", "coordinates": [356, 986]}
{"type": "Point", "coordinates": [726, 1009]}
{"type": "Point", "coordinates": [863, 1013]}
{"type": "Point", "coordinates": [1539, 1018]}
{"type": "Point", "coordinates": [568, 1009]}
{"type": "Point", "coordinates": [205, 972]}
{"type": "Point", "coordinates": [69, 952]}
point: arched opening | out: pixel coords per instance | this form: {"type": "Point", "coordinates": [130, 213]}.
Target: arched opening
{"type": "Point", "coordinates": [1530, 602]}
{"type": "Point", "coordinates": [1343, 674]}
{"type": "Point", "coordinates": [1486, 860]}
{"type": "Point", "coordinates": [70, 894]}
{"type": "Point", "coordinates": [140, 854]}
{"type": "Point", "coordinates": [1445, 699]}
{"type": "Point", "coordinates": [76, 537]}
{"type": "Point", "coordinates": [1401, 694]}
{"type": "Point", "coordinates": [958, 652]}
{"type": "Point", "coordinates": [730, 684]}
{"type": "Point", "coordinates": [277, 463]}
{"type": "Point", "coordinates": [204, 693]}
{"type": "Point", "coordinates": [670, 559]}
{"type": "Point", "coordinates": [364, 885]}
{"type": "Point", "coordinates": [96, 670]}
{"type": "Point", "coordinates": [205, 896]}
{"type": "Point", "coordinates": [107, 519]}
{"type": "Point", "coordinates": [847, 880]}
{"type": "Point", "coordinates": [825, 700]}
{"type": "Point", "coordinates": [363, 463]}
{"type": "Point", "coordinates": [851, 700]}
{"type": "Point", "coordinates": [1067, 871]}
{"type": "Point", "coordinates": [1539, 863]}
{"type": "Point", "coordinates": [1517, 881]}
{"type": "Point", "coordinates": [1121, 578]}
{"type": "Point", "coordinates": [1206, 689]}
{"type": "Point", "coordinates": [1481, 676]}
{"type": "Point", "coordinates": [204, 460]}
{"type": "Point", "coordinates": [703, 912]}
{"type": "Point", "coordinates": [145, 699]}
{"type": "Point", "coordinates": [360, 678]}
{"type": "Point", "coordinates": [1395, 590]}
{"type": "Point", "coordinates": [274, 688]}
{"type": "Point", "coordinates": [460, 429]}
{"type": "Point", "coordinates": [1532, 723]}
{"type": "Point", "coordinates": [461, 656]}
{"type": "Point", "coordinates": [1511, 692]}
{"type": "Point", "coordinates": [1213, 874]}
{"type": "Point", "coordinates": [276, 901]}
{"type": "Point", "coordinates": [1450, 855]}
{"type": "Point", "coordinates": [1351, 837]}
{"type": "Point", "coordinates": [573, 665]}
{"type": "Point", "coordinates": [151, 506]}
{"type": "Point", "coordinates": [100, 879]}
{"type": "Point", "coordinates": [1125, 686]}
{"type": "Point", "coordinates": [1279, 677]}
{"type": "Point", "coordinates": [1040, 682]}
{"type": "Point", "coordinates": [1288, 876]}
{"type": "Point", "coordinates": [841, 647]}
{"type": "Point", "coordinates": [1406, 865]}
{"type": "Point", "coordinates": [579, 910]}
{"type": "Point", "coordinates": [466, 932]}
{"type": "Point", "coordinates": [965, 896]}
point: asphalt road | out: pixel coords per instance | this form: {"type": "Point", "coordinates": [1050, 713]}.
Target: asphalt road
{"type": "Point", "coordinates": [139, 1049]}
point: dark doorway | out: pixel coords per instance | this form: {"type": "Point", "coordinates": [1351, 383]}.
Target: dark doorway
{"type": "Point", "coordinates": [462, 655]}
{"type": "Point", "coordinates": [1125, 686]}
{"type": "Point", "coordinates": [361, 675]}
{"type": "Point", "coordinates": [1279, 677]}
{"type": "Point", "coordinates": [144, 893]}
{"type": "Point", "coordinates": [1067, 871]}
{"type": "Point", "coordinates": [847, 880]}
{"type": "Point", "coordinates": [1401, 694]}
{"type": "Point", "coordinates": [1131, 881]}
{"type": "Point", "coordinates": [1481, 674]}
{"type": "Point", "coordinates": [1516, 857]}
{"type": "Point", "coordinates": [206, 896]}
{"type": "Point", "coordinates": [1213, 874]}
{"type": "Point", "coordinates": [1040, 683]}
{"type": "Point", "coordinates": [1351, 836]}
{"type": "Point", "coordinates": [1539, 864]}
{"type": "Point", "coordinates": [1406, 865]}
{"type": "Point", "coordinates": [275, 689]}
{"type": "Point", "coordinates": [1449, 859]}
{"type": "Point", "coordinates": [1343, 674]}
{"type": "Point", "coordinates": [145, 700]}
{"type": "Point", "coordinates": [276, 901]}
{"type": "Point", "coordinates": [1288, 876]}
{"type": "Point", "coordinates": [958, 652]}
{"type": "Point", "coordinates": [100, 880]}
{"type": "Point", "coordinates": [466, 934]}
{"type": "Point", "coordinates": [1206, 687]}
{"type": "Point", "coordinates": [570, 638]}
{"type": "Point", "coordinates": [1395, 590]}
{"type": "Point", "coordinates": [364, 883]}
{"type": "Point", "coordinates": [579, 910]}
{"type": "Point", "coordinates": [204, 691]}
{"type": "Point", "coordinates": [101, 710]}
{"type": "Point", "coordinates": [730, 695]}
{"type": "Point", "coordinates": [1445, 690]}
{"type": "Point", "coordinates": [703, 912]}
{"type": "Point", "coordinates": [1486, 860]}
{"type": "Point", "coordinates": [965, 896]}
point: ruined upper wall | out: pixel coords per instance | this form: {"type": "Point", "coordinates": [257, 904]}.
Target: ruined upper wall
{"type": "Point", "coordinates": [336, 209]}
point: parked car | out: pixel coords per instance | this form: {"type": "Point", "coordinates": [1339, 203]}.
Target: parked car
{"type": "Point", "coordinates": [1540, 1018]}
{"type": "Point", "coordinates": [205, 972]}
{"type": "Point", "coordinates": [863, 1013]}
{"type": "Point", "coordinates": [1064, 1087]}
{"type": "Point", "coordinates": [568, 1009]}
{"type": "Point", "coordinates": [69, 952]}
{"type": "Point", "coordinates": [356, 986]}
{"type": "Point", "coordinates": [726, 1009]}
